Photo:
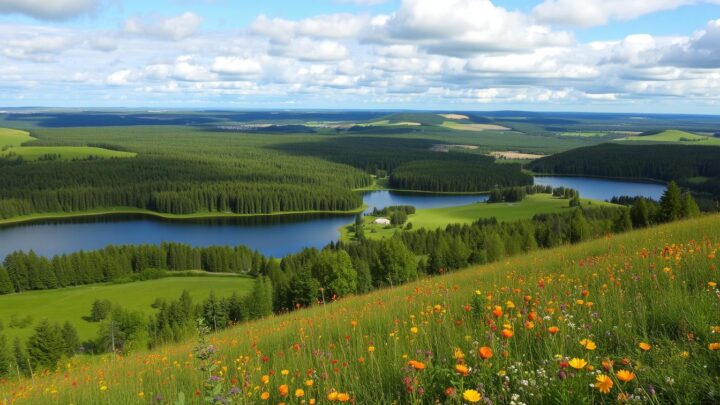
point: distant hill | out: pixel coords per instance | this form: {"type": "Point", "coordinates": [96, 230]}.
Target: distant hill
{"type": "Point", "coordinates": [673, 136]}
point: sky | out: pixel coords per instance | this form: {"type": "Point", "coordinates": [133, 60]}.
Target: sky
{"type": "Point", "coordinates": [544, 55]}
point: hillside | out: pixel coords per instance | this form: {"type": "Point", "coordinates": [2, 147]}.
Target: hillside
{"type": "Point", "coordinates": [674, 136]}
{"type": "Point", "coordinates": [629, 317]}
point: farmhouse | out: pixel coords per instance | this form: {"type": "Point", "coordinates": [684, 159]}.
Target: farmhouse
{"type": "Point", "coordinates": [381, 221]}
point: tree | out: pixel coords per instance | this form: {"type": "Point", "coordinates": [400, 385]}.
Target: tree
{"type": "Point", "coordinates": [46, 346]}
{"type": "Point", "coordinates": [214, 312]}
{"type": "Point", "coordinates": [100, 310]}
{"type": "Point", "coordinates": [71, 341]}
{"type": "Point", "coordinates": [622, 222]}
{"type": "Point", "coordinates": [395, 263]}
{"type": "Point", "coordinates": [689, 208]}
{"type": "Point", "coordinates": [20, 358]}
{"type": "Point", "coordinates": [6, 286]}
{"type": "Point", "coordinates": [671, 203]}
{"type": "Point", "coordinates": [260, 300]}
{"type": "Point", "coordinates": [494, 247]}
{"type": "Point", "coordinates": [640, 214]}
{"type": "Point", "coordinates": [335, 272]}
{"type": "Point", "coordinates": [5, 357]}
{"type": "Point", "coordinates": [579, 227]}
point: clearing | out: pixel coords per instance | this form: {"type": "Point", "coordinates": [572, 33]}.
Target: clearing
{"type": "Point", "coordinates": [515, 155]}
{"type": "Point", "coordinates": [675, 136]}
{"type": "Point", "coordinates": [473, 127]}
{"type": "Point", "coordinates": [12, 140]}
{"type": "Point", "coordinates": [72, 304]}
{"type": "Point", "coordinates": [455, 116]}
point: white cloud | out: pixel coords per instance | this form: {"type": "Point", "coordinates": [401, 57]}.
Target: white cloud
{"type": "Point", "coordinates": [589, 13]}
{"type": "Point", "coordinates": [120, 78]}
{"type": "Point", "coordinates": [231, 65]}
{"type": "Point", "coordinates": [702, 50]}
{"type": "Point", "coordinates": [306, 49]}
{"type": "Point", "coordinates": [49, 9]}
{"type": "Point", "coordinates": [463, 27]}
{"type": "Point", "coordinates": [171, 28]}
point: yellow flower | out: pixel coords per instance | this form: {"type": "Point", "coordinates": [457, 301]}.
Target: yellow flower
{"type": "Point", "coordinates": [462, 369]}
{"type": "Point", "coordinates": [458, 353]}
{"type": "Point", "coordinates": [283, 390]}
{"type": "Point", "coordinates": [333, 396]}
{"type": "Point", "coordinates": [577, 364]}
{"type": "Point", "coordinates": [588, 344]}
{"type": "Point", "coordinates": [645, 346]}
{"type": "Point", "coordinates": [714, 346]}
{"type": "Point", "coordinates": [343, 397]}
{"type": "Point", "coordinates": [309, 383]}
{"type": "Point", "coordinates": [371, 349]}
{"type": "Point", "coordinates": [265, 379]}
{"type": "Point", "coordinates": [141, 394]}
{"type": "Point", "coordinates": [625, 376]}
{"type": "Point", "coordinates": [299, 393]}
{"type": "Point", "coordinates": [712, 284]}
{"type": "Point", "coordinates": [414, 329]}
{"type": "Point", "coordinates": [284, 372]}
{"type": "Point", "coordinates": [472, 396]}
{"type": "Point", "coordinates": [265, 396]}
{"type": "Point", "coordinates": [103, 388]}
{"type": "Point", "coordinates": [603, 383]}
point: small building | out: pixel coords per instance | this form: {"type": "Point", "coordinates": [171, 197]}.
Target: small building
{"type": "Point", "coordinates": [381, 221]}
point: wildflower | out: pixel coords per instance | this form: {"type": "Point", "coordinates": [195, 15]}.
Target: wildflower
{"type": "Point", "coordinates": [497, 311]}
{"type": "Point", "coordinates": [265, 396]}
{"type": "Point", "coordinates": [283, 390]}
{"type": "Point", "coordinates": [577, 364]}
{"type": "Point", "coordinates": [472, 396]}
{"type": "Point", "coordinates": [714, 346]}
{"type": "Point", "coordinates": [485, 352]}
{"type": "Point", "coordinates": [529, 325]}
{"type": "Point", "coordinates": [712, 284]}
{"type": "Point", "coordinates": [332, 396]}
{"type": "Point", "coordinates": [462, 369]}
{"type": "Point", "coordinates": [103, 388]}
{"type": "Point", "coordinates": [417, 365]}
{"type": "Point", "coordinates": [299, 393]}
{"type": "Point", "coordinates": [608, 364]}
{"type": "Point", "coordinates": [625, 376]}
{"type": "Point", "coordinates": [265, 379]}
{"type": "Point", "coordinates": [309, 383]}
{"type": "Point", "coordinates": [645, 346]}
{"type": "Point", "coordinates": [553, 330]}
{"type": "Point", "coordinates": [588, 344]}
{"type": "Point", "coordinates": [414, 329]}
{"type": "Point", "coordinates": [510, 305]}
{"type": "Point", "coordinates": [343, 397]}
{"type": "Point", "coordinates": [685, 354]}
{"type": "Point", "coordinates": [371, 349]}
{"type": "Point", "coordinates": [603, 383]}
{"type": "Point", "coordinates": [285, 372]}
{"type": "Point", "coordinates": [458, 353]}
{"type": "Point", "coordinates": [353, 323]}
{"type": "Point", "coordinates": [507, 333]}
{"type": "Point", "coordinates": [437, 308]}
{"type": "Point", "coordinates": [450, 392]}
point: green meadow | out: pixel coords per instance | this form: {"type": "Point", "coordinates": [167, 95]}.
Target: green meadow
{"type": "Point", "coordinates": [675, 136]}
{"type": "Point", "coordinates": [72, 304]}
{"type": "Point", "coordinates": [12, 144]}
{"type": "Point", "coordinates": [435, 218]}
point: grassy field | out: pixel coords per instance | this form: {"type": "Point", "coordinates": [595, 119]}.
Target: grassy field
{"type": "Point", "coordinates": [473, 127]}
{"type": "Point", "coordinates": [434, 218]}
{"type": "Point", "coordinates": [675, 136]}
{"type": "Point", "coordinates": [632, 317]}
{"type": "Point", "coordinates": [72, 304]}
{"type": "Point", "coordinates": [11, 141]}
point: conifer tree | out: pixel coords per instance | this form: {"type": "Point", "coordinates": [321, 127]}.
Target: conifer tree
{"type": "Point", "coordinates": [71, 341]}
{"type": "Point", "coordinates": [689, 208]}
{"type": "Point", "coordinates": [671, 203]}
{"type": "Point", "coordinates": [6, 286]}
{"type": "Point", "coordinates": [46, 346]}
{"type": "Point", "coordinates": [5, 357]}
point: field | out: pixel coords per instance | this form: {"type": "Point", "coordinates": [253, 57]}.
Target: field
{"type": "Point", "coordinates": [434, 218]}
{"type": "Point", "coordinates": [633, 317]}
{"type": "Point", "coordinates": [72, 304]}
{"type": "Point", "coordinates": [473, 127]}
{"type": "Point", "coordinates": [11, 143]}
{"type": "Point", "coordinates": [675, 136]}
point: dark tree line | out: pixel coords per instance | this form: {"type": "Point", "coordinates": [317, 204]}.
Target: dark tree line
{"type": "Point", "coordinates": [28, 271]}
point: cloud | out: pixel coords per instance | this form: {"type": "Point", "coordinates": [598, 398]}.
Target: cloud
{"type": "Point", "coordinates": [589, 13]}
{"type": "Point", "coordinates": [120, 78]}
{"type": "Point", "coordinates": [231, 65]}
{"type": "Point", "coordinates": [700, 51]}
{"type": "Point", "coordinates": [37, 48]}
{"type": "Point", "coordinates": [363, 2]}
{"type": "Point", "coordinates": [171, 28]}
{"type": "Point", "coordinates": [464, 27]}
{"type": "Point", "coordinates": [306, 49]}
{"type": "Point", "coordinates": [49, 9]}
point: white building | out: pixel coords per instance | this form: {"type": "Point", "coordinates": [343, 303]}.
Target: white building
{"type": "Point", "coordinates": [381, 221]}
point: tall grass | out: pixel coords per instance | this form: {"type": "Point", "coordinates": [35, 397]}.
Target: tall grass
{"type": "Point", "coordinates": [420, 343]}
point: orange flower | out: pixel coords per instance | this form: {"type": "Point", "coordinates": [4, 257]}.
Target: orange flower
{"type": "Point", "coordinates": [343, 397]}
{"type": "Point", "coordinates": [332, 396]}
{"type": "Point", "coordinates": [553, 330]}
{"type": "Point", "coordinates": [462, 369]}
{"type": "Point", "coordinates": [497, 311]}
{"type": "Point", "coordinates": [645, 346]}
{"type": "Point", "coordinates": [283, 390]}
{"type": "Point", "coordinates": [714, 346]}
{"type": "Point", "coordinates": [417, 365]}
{"type": "Point", "coordinates": [485, 352]}
{"type": "Point", "coordinates": [507, 333]}
{"type": "Point", "coordinates": [625, 376]}
{"type": "Point", "coordinates": [265, 396]}
{"type": "Point", "coordinates": [608, 364]}
{"type": "Point", "coordinates": [529, 325]}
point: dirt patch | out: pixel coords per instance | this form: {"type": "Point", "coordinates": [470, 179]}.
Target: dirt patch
{"type": "Point", "coordinates": [447, 148]}
{"type": "Point", "coordinates": [515, 155]}
{"type": "Point", "coordinates": [474, 127]}
{"type": "Point", "coordinates": [455, 116]}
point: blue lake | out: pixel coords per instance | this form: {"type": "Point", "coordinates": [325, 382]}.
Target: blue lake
{"type": "Point", "coordinates": [273, 236]}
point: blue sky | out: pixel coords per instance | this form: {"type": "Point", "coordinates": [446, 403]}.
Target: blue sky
{"type": "Point", "coordinates": [591, 55]}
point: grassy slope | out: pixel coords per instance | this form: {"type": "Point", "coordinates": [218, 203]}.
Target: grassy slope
{"type": "Point", "coordinates": [434, 218]}
{"type": "Point", "coordinates": [15, 138]}
{"type": "Point", "coordinates": [675, 136]}
{"type": "Point", "coordinates": [71, 304]}
{"type": "Point", "coordinates": [646, 286]}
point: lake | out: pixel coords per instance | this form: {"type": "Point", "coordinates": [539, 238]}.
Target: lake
{"type": "Point", "coordinates": [274, 236]}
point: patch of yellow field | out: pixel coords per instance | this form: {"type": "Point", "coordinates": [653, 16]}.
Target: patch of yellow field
{"type": "Point", "coordinates": [455, 116]}
{"type": "Point", "coordinates": [514, 155]}
{"type": "Point", "coordinates": [474, 127]}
